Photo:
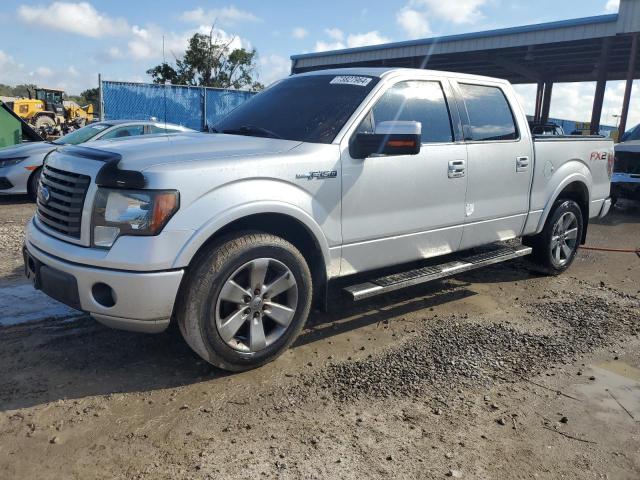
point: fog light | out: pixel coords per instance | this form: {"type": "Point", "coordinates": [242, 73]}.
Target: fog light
{"type": "Point", "coordinates": [105, 236]}
{"type": "Point", "coordinates": [104, 295]}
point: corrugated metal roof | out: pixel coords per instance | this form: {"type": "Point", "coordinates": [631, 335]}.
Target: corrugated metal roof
{"type": "Point", "coordinates": [579, 28]}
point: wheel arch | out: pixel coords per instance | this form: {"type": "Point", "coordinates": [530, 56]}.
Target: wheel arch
{"type": "Point", "coordinates": [574, 187]}
{"type": "Point", "coordinates": [31, 176]}
{"type": "Point", "coordinates": [284, 221]}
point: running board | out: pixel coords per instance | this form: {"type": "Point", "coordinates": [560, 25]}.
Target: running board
{"type": "Point", "coordinates": [490, 255]}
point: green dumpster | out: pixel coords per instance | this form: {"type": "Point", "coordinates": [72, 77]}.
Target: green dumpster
{"type": "Point", "coordinates": [10, 128]}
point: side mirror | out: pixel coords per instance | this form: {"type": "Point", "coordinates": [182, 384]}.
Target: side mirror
{"type": "Point", "coordinates": [389, 138]}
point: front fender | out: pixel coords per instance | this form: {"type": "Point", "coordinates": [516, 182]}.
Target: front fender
{"type": "Point", "coordinates": [237, 200]}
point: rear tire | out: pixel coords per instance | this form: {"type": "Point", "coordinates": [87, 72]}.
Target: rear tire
{"type": "Point", "coordinates": [34, 181]}
{"type": "Point", "coordinates": [44, 122]}
{"type": "Point", "coordinates": [245, 301]}
{"type": "Point", "coordinates": [555, 248]}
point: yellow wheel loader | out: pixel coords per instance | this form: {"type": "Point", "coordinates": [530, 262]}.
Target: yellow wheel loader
{"type": "Point", "coordinates": [50, 114]}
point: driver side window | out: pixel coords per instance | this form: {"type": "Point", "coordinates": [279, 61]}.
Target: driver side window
{"type": "Point", "coordinates": [418, 101]}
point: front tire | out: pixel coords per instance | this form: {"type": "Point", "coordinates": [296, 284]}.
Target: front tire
{"type": "Point", "coordinates": [245, 301]}
{"type": "Point", "coordinates": [32, 185]}
{"type": "Point", "coordinates": [555, 248]}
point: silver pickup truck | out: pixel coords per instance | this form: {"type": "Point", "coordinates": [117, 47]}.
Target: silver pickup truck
{"type": "Point", "coordinates": [236, 234]}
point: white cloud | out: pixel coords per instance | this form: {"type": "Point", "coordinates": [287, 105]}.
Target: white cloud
{"type": "Point", "coordinates": [112, 53]}
{"type": "Point", "coordinates": [299, 33]}
{"type": "Point", "coordinates": [225, 16]}
{"type": "Point", "coordinates": [612, 6]}
{"type": "Point", "coordinates": [322, 46]}
{"type": "Point", "coordinates": [364, 39]}
{"type": "Point", "coordinates": [413, 22]}
{"type": "Point", "coordinates": [353, 40]}
{"type": "Point", "coordinates": [334, 34]}
{"type": "Point", "coordinates": [574, 101]}
{"type": "Point", "coordinates": [146, 43]}
{"type": "Point", "coordinates": [458, 11]}
{"type": "Point", "coordinates": [73, 71]}
{"type": "Point", "coordinates": [6, 60]}
{"type": "Point", "coordinates": [43, 72]}
{"type": "Point", "coordinates": [79, 18]}
{"type": "Point", "coordinates": [274, 67]}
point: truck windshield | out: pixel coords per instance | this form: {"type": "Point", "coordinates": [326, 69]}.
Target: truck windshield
{"type": "Point", "coordinates": [301, 108]}
{"type": "Point", "coordinates": [82, 134]}
{"type": "Point", "coordinates": [633, 134]}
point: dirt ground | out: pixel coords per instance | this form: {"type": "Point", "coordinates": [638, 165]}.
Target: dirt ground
{"type": "Point", "coordinates": [496, 374]}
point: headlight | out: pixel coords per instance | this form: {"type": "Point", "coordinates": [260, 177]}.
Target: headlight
{"type": "Point", "coordinates": [130, 212]}
{"type": "Point", "coordinates": [8, 162]}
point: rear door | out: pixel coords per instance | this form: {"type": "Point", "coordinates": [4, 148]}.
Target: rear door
{"type": "Point", "coordinates": [499, 163]}
{"type": "Point", "coordinates": [401, 208]}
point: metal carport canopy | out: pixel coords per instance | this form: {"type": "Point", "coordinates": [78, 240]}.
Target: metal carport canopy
{"type": "Point", "coordinates": [600, 48]}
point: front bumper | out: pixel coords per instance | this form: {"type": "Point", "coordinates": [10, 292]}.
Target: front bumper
{"type": "Point", "coordinates": [136, 301]}
{"type": "Point", "coordinates": [14, 179]}
{"type": "Point", "coordinates": [625, 185]}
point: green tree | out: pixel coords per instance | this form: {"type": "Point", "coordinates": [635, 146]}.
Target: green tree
{"type": "Point", "coordinates": [24, 90]}
{"type": "Point", "coordinates": [208, 62]}
{"type": "Point", "coordinates": [91, 96]}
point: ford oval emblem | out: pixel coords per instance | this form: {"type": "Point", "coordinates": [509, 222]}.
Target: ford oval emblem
{"type": "Point", "coordinates": [44, 194]}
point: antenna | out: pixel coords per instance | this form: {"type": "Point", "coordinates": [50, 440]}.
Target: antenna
{"type": "Point", "coordinates": [164, 89]}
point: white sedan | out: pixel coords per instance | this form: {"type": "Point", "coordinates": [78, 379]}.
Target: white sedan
{"type": "Point", "coordinates": [20, 165]}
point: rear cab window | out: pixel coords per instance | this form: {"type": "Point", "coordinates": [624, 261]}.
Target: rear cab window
{"type": "Point", "coordinates": [490, 117]}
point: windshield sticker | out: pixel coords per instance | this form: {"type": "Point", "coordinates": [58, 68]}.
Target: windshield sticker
{"type": "Point", "coordinates": [351, 80]}
{"type": "Point", "coordinates": [99, 127]}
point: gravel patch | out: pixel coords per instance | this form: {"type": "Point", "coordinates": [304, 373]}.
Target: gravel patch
{"type": "Point", "coordinates": [454, 352]}
{"type": "Point", "coordinates": [11, 239]}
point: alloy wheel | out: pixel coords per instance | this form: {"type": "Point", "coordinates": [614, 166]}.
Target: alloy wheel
{"type": "Point", "coordinates": [564, 239]}
{"type": "Point", "coordinates": [256, 305]}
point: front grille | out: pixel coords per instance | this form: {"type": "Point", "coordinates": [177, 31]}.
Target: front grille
{"type": "Point", "coordinates": [67, 191]}
{"type": "Point", "coordinates": [627, 162]}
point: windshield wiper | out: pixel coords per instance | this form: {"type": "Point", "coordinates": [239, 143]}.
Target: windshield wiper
{"type": "Point", "coordinates": [251, 130]}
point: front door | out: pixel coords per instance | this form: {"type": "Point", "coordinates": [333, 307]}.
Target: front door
{"type": "Point", "coordinates": [396, 209]}
{"type": "Point", "coordinates": [499, 165]}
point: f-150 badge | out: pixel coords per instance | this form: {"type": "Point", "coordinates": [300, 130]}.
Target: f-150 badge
{"type": "Point", "coordinates": [318, 175]}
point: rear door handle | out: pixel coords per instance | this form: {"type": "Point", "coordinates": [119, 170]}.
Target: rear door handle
{"type": "Point", "coordinates": [522, 164]}
{"type": "Point", "coordinates": [457, 168]}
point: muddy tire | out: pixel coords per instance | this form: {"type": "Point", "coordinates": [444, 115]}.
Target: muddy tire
{"type": "Point", "coordinates": [555, 248]}
{"type": "Point", "coordinates": [32, 185]}
{"type": "Point", "coordinates": [245, 300]}
{"type": "Point", "coordinates": [44, 122]}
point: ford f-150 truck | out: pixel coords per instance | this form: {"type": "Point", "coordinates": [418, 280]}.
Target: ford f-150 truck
{"type": "Point", "coordinates": [235, 234]}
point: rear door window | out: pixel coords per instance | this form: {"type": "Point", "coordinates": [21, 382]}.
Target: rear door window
{"type": "Point", "coordinates": [417, 101]}
{"type": "Point", "coordinates": [490, 116]}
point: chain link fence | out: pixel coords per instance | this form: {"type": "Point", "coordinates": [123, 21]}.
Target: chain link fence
{"type": "Point", "coordinates": [193, 107]}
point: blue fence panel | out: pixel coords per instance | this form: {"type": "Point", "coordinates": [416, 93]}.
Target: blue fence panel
{"type": "Point", "coordinates": [221, 102]}
{"type": "Point", "coordinates": [193, 107]}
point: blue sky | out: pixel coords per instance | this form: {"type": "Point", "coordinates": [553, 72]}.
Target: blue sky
{"type": "Point", "coordinates": [66, 43]}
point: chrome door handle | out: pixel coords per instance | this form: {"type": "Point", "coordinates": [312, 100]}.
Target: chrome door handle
{"type": "Point", "coordinates": [522, 164]}
{"type": "Point", "coordinates": [457, 168]}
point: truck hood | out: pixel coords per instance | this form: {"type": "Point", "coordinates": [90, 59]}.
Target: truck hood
{"type": "Point", "coordinates": [141, 153]}
{"type": "Point", "coordinates": [632, 146]}
{"type": "Point", "coordinates": [26, 150]}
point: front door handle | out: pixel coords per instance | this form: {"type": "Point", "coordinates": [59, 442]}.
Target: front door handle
{"type": "Point", "coordinates": [522, 164]}
{"type": "Point", "coordinates": [457, 168]}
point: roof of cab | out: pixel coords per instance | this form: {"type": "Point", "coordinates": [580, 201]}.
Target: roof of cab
{"type": "Point", "coordinates": [382, 72]}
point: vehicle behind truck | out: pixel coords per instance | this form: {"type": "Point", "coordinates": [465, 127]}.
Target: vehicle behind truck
{"type": "Point", "coordinates": [237, 235]}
